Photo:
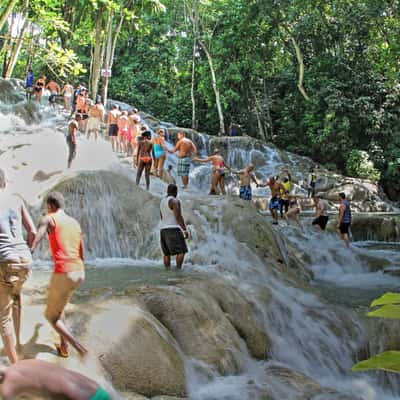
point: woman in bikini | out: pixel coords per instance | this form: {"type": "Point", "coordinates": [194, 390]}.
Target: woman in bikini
{"type": "Point", "coordinates": [218, 177]}
{"type": "Point", "coordinates": [144, 158]}
{"type": "Point", "coordinates": [39, 86]}
{"type": "Point", "coordinates": [160, 152]}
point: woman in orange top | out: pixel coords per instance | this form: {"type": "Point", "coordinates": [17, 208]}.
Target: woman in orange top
{"type": "Point", "coordinates": [66, 245]}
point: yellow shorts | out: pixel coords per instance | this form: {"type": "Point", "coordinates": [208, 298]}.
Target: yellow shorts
{"type": "Point", "coordinates": [61, 289]}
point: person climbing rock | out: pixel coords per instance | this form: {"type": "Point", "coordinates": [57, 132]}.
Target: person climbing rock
{"type": "Point", "coordinates": [246, 176]}
{"type": "Point", "coordinates": [160, 153]}
{"type": "Point", "coordinates": [33, 377]}
{"type": "Point", "coordinates": [73, 128]}
{"type": "Point", "coordinates": [123, 132]}
{"type": "Point", "coordinates": [311, 181]}
{"type": "Point", "coordinates": [173, 230]}
{"type": "Point", "coordinates": [186, 151]}
{"type": "Point", "coordinates": [55, 90]}
{"type": "Point", "coordinates": [112, 121]}
{"type": "Point", "coordinates": [344, 219]}
{"type": "Point", "coordinates": [39, 87]}
{"type": "Point", "coordinates": [294, 210]}
{"type": "Point", "coordinates": [321, 217]}
{"type": "Point", "coordinates": [15, 264]}
{"type": "Point", "coordinates": [144, 158]}
{"type": "Point", "coordinates": [29, 85]}
{"type": "Point", "coordinates": [96, 117]}
{"type": "Point", "coordinates": [285, 188]}
{"type": "Point", "coordinates": [67, 92]}
{"type": "Point", "coordinates": [218, 177]}
{"type": "Point", "coordinates": [66, 245]}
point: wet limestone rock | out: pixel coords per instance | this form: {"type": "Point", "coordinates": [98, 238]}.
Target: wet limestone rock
{"type": "Point", "coordinates": [198, 325]}
{"type": "Point", "coordinates": [112, 214]}
{"type": "Point", "coordinates": [136, 351]}
{"type": "Point", "coordinates": [11, 91]}
{"type": "Point", "coordinates": [240, 314]}
{"type": "Point", "coordinates": [247, 226]}
{"type": "Point", "coordinates": [201, 316]}
{"type": "Point", "coordinates": [285, 383]}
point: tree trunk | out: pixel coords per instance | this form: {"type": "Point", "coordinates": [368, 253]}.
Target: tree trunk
{"type": "Point", "coordinates": [111, 45]}
{"type": "Point", "coordinates": [258, 112]}
{"type": "Point", "coordinates": [17, 49]}
{"type": "Point", "coordinates": [7, 46]}
{"type": "Point", "coordinates": [267, 102]}
{"type": "Point", "coordinates": [7, 12]}
{"type": "Point", "coordinates": [216, 90]}
{"type": "Point", "coordinates": [300, 61]}
{"type": "Point", "coordinates": [194, 122]}
{"type": "Point", "coordinates": [97, 59]}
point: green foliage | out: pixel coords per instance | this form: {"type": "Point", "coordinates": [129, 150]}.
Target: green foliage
{"type": "Point", "coordinates": [350, 50]}
{"type": "Point", "coordinates": [388, 307]}
{"type": "Point", "coordinates": [387, 361]}
{"type": "Point", "coordinates": [359, 165]}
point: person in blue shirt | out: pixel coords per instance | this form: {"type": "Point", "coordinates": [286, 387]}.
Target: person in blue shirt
{"type": "Point", "coordinates": [30, 81]}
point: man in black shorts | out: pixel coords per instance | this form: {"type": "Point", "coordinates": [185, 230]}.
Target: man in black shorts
{"type": "Point", "coordinates": [173, 229]}
{"type": "Point", "coordinates": [112, 121]}
{"type": "Point", "coordinates": [321, 218]}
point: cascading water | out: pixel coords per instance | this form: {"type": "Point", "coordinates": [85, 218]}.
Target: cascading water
{"type": "Point", "coordinates": [308, 335]}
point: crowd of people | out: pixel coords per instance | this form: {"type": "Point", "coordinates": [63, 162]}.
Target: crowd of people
{"type": "Point", "coordinates": [129, 136]}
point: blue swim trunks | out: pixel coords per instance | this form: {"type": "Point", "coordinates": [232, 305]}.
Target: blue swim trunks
{"type": "Point", "coordinates": [274, 203]}
{"type": "Point", "coordinates": [245, 193]}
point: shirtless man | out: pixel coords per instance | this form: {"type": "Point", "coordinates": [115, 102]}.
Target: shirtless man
{"type": "Point", "coordinates": [15, 264]}
{"type": "Point", "coordinates": [246, 177]}
{"type": "Point", "coordinates": [55, 90]}
{"type": "Point", "coordinates": [112, 121]}
{"type": "Point", "coordinates": [73, 128]}
{"type": "Point", "coordinates": [322, 216]}
{"type": "Point", "coordinates": [144, 158]}
{"type": "Point", "coordinates": [123, 132]}
{"type": "Point", "coordinates": [36, 377]}
{"type": "Point", "coordinates": [274, 204]}
{"type": "Point", "coordinates": [96, 117]}
{"type": "Point", "coordinates": [68, 91]}
{"type": "Point", "coordinates": [218, 178]}
{"type": "Point", "coordinates": [186, 150]}
{"type": "Point", "coordinates": [66, 245]}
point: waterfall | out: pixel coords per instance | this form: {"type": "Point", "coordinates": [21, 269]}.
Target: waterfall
{"type": "Point", "coordinates": [311, 334]}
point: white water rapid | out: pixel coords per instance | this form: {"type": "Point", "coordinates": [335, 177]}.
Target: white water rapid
{"type": "Point", "coordinates": [311, 333]}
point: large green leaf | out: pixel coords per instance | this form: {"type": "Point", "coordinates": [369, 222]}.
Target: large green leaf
{"type": "Point", "coordinates": [387, 298]}
{"type": "Point", "coordinates": [388, 311]}
{"type": "Point", "coordinates": [387, 361]}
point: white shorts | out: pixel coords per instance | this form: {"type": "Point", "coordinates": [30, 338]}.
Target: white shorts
{"type": "Point", "coordinates": [93, 124]}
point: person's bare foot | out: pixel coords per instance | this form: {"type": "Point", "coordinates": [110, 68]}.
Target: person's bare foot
{"type": "Point", "coordinates": [62, 350]}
